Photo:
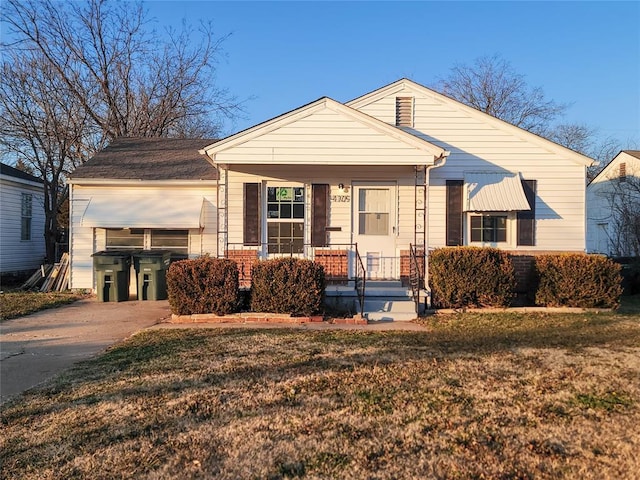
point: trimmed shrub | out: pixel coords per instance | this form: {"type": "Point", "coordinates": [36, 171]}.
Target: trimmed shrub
{"type": "Point", "coordinates": [287, 285]}
{"type": "Point", "coordinates": [203, 285]}
{"type": "Point", "coordinates": [577, 280]}
{"type": "Point", "coordinates": [470, 276]}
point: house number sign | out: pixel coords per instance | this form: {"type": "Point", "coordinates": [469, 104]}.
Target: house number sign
{"type": "Point", "coordinates": [341, 198]}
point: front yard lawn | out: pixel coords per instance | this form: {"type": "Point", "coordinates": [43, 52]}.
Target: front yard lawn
{"type": "Point", "coordinates": [473, 396]}
{"type": "Point", "coordinates": [18, 303]}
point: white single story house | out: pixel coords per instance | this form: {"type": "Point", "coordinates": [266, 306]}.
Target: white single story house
{"type": "Point", "coordinates": [22, 220]}
{"type": "Point", "coordinates": [613, 207]}
{"type": "Point", "coordinates": [365, 187]}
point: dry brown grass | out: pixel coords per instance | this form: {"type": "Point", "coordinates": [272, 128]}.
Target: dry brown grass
{"type": "Point", "coordinates": [474, 396]}
{"type": "Point", "coordinates": [19, 303]}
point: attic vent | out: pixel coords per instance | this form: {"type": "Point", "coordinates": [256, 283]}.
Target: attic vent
{"type": "Point", "coordinates": [623, 172]}
{"type": "Point", "coordinates": [404, 111]}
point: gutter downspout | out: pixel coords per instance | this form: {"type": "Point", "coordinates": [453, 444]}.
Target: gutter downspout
{"type": "Point", "coordinates": [439, 162]}
{"type": "Point", "coordinates": [212, 160]}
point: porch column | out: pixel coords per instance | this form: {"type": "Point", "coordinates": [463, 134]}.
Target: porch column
{"type": "Point", "coordinates": [223, 213]}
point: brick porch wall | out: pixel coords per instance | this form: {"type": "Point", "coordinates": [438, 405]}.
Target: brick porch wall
{"type": "Point", "coordinates": [335, 263]}
{"type": "Point", "coordinates": [245, 260]}
{"type": "Point", "coordinates": [405, 265]}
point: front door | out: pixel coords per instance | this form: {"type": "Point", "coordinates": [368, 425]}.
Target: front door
{"type": "Point", "coordinates": [374, 228]}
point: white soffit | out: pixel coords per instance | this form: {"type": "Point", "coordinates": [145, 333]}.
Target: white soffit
{"type": "Point", "coordinates": [494, 192]}
{"type": "Point", "coordinates": [148, 211]}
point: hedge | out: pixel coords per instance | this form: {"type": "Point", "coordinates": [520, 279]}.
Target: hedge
{"type": "Point", "coordinates": [470, 276]}
{"type": "Point", "coordinates": [203, 285]}
{"type": "Point", "coordinates": [287, 285]}
{"type": "Point", "coordinates": [577, 280]}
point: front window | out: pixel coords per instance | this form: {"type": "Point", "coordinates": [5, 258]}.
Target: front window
{"type": "Point", "coordinates": [27, 212]}
{"type": "Point", "coordinates": [285, 219]}
{"type": "Point", "coordinates": [175, 240]}
{"type": "Point", "coordinates": [489, 228]}
{"type": "Point", "coordinates": [125, 239]}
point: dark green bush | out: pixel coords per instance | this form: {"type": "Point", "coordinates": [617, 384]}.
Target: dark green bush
{"type": "Point", "coordinates": [577, 280]}
{"type": "Point", "coordinates": [470, 276]}
{"type": "Point", "coordinates": [287, 285]}
{"type": "Point", "coordinates": [203, 285]}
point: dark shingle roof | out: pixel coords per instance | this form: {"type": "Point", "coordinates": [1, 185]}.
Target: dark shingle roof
{"type": "Point", "coordinates": [14, 172]}
{"type": "Point", "coordinates": [633, 153]}
{"type": "Point", "coordinates": [150, 159]}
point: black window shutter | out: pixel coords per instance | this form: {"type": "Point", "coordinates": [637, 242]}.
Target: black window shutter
{"type": "Point", "coordinates": [251, 234]}
{"type": "Point", "coordinates": [454, 212]}
{"type": "Point", "coordinates": [527, 218]}
{"type": "Point", "coordinates": [319, 214]}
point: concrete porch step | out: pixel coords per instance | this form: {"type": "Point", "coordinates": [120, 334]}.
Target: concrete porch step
{"type": "Point", "coordinates": [389, 309]}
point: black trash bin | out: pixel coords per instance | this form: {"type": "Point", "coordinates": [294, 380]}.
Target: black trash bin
{"type": "Point", "coordinates": [151, 273]}
{"type": "Point", "coordinates": [112, 275]}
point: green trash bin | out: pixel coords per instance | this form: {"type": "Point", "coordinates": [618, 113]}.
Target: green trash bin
{"type": "Point", "coordinates": [112, 275]}
{"type": "Point", "coordinates": [151, 273]}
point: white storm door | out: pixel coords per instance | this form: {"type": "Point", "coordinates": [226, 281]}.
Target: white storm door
{"type": "Point", "coordinates": [374, 228]}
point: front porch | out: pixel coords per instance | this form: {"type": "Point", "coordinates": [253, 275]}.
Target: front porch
{"type": "Point", "coordinates": [380, 288]}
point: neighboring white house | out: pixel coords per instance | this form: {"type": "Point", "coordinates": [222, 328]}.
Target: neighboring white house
{"type": "Point", "coordinates": [613, 207]}
{"type": "Point", "coordinates": [22, 245]}
{"type": "Point", "coordinates": [352, 185]}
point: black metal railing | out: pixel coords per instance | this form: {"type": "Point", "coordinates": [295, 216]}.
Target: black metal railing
{"type": "Point", "coordinates": [341, 261]}
{"type": "Point", "coordinates": [416, 275]}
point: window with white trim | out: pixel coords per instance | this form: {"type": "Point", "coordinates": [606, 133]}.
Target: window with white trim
{"type": "Point", "coordinates": [488, 228]}
{"type": "Point", "coordinates": [147, 239]}
{"type": "Point", "coordinates": [26, 216]}
{"type": "Point", "coordinates": [285, 219]}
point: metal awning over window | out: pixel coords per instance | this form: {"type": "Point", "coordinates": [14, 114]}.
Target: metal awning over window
{"type": "Point", "coordinates": [148, 211]}
{"type": "Point", "coordinates": [494, 192]}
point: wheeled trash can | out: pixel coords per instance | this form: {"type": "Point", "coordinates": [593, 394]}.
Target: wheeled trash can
{"type": "Point", "coordinates": [112, 275]}
{"type": "Point", "coordinates": [151, 273]}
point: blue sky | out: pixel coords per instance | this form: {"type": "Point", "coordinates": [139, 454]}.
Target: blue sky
{"type": "Point", "coordinates": [281, 55]}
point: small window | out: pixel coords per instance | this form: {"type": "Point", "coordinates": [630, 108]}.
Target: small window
{"type": "Point", "coordinates": [175, 240]}
{"type": "Point", "coordinates": [489, 228]}
{"type": "Point", "coordinates": [373, 211]}
{"type": "Point", "coordinates": [404, 111]}
{"type": "Point", "coordinates": [285, 219]}
{"type": "Point", "coordinates": [125, 239]}
{"type": "Point", "coordinates": [27, 213]}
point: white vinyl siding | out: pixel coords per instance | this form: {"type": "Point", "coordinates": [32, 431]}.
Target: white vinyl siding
{"type": "Point", "coordinates": [479, 146]}
{"type": "Point", "coordinates": [325, 137]}
{"type": "Point", "coordinates": [18, 254]}
{"type": "Point", "coordinates": [84, 241]}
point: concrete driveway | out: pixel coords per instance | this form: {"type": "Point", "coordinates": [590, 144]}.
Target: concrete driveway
{"type": "Point", "coordinates": [37, 347]}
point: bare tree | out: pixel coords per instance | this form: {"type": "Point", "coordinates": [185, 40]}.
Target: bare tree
{"type": "Point", "coordinates": [79, 74]}
{"type": "Point", "coordinates": [43, 128]}
{"type": "Point", "coordinates": [492, 86]}
{"type": "Point", "coordinates": [623, 200]}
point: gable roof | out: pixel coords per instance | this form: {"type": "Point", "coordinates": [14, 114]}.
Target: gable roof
{"type": "Point", "coordinates": [621, 156]}
{"type": "Point", "coordinates": [149, 159]}
{"type": "Point", "coordinates": [405, 83]}
{"type": "Point", "coordinates": [9, 171]}
{"type": "Point", "coordinates": [324, 103]}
